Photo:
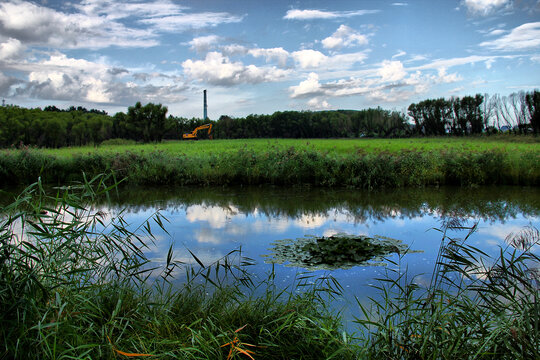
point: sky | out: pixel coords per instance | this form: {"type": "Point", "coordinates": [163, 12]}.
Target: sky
{"type": "Point", "coordinates": [258, 57]}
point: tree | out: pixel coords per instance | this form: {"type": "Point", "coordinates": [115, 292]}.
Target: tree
{"type": "Point", "coordinates": [532, 101]}
{"type": "Point", "coordinates": [147, 123]}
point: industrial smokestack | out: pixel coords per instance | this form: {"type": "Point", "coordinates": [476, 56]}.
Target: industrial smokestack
{"type": "Point", "coordinates": [205, 107]}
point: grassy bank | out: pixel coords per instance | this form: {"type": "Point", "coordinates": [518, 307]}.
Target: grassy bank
{"type": "Point", "coordinates": [75, 283]}
{"type": "Point", "coordinates": [330, 163]}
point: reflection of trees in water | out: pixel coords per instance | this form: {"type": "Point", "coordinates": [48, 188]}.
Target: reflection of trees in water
{"type": "Point", "coordinates": [486, 203]}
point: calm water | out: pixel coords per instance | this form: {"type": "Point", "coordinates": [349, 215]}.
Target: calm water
{"type": "Point", "coordinates": [212, 222]}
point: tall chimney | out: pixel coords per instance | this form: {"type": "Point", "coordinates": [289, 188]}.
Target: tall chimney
{"type": "Point", "coordinates": [205, 107]}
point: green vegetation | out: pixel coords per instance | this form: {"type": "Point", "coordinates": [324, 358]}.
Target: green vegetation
{"type": "Point", "coordinates": [476, 307]}
{"type": "Point", "coordinates": [481, 114]}
{"type": "Point", "coordinates": [76, 284]}
{"type": "Point", "coordinates": [331, 163]}
{"type": "Point", "coordinates": [340, 251]}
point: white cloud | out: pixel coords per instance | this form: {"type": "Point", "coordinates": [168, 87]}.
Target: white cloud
{"type": "Point", "coordinates": [216, 216]}
{"type": "Point", "coordinates": [184, 22]}
{"type": "Point", "coordinates": [484, 7]}
{"type": "Point", "coordinates": [207, 236]}
{"type": "Point", "coordinates": [457, 90]}
{"type": "Point", "coordinates": [310, 86]}
{"type": "Point", "coordinates": [400, 53]}
{"type": "Point", "coordinates": [64, 78]}
{"type": "Point", "coordinates": [344, 37]}
{"type": "Point", "coordinates": [445, 78]}
{"type": "Point", "coordinates": [163, 15]}
{"type": "Point", "coordinates": [392, 70]}
{"type": "Point", "coordinates": [275, 54]}
{"type": "Point", "coordinates": [311, 221]}
{"type": "Point", "coordinates": [496, 32]}
{"type": "Point", "coordinates": [39, 25]}
{"type": "Point", "coordinates": [11, 49]}
{"type": "Point", "coordinates": [234, 49]}
{"type": "Point", "coordinates": [313, 59]}
{"type": "Point", "coordinates": [309, 58]}
{"type": "Point", "coordinates": [218, 69]}
{"type": "Point", "coordinates": [60, 77]}
{"type": "Point", "coordinates": [99, 24]}
{"type": "Point", "coordinates": [448, 63]}
{"type": "Point", "coordinates": [296, 14]}
{"type": "Point", "coordinates": [113, 10]}
{"type": "Point", "coordinates": [203, 43]}
{"type": "Point", "coordinates": [318, 104]}
{"type": "Point", "coordinates": [399, 4]}
{"type": "Point", "coordinates": [417, 58]}
{"type": "Point", "coordinates": [523, 37]}
{"type": "Point", "coordinates": [389, 82]}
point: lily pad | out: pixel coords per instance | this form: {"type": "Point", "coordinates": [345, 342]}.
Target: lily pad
{"type": "Point", "coordinates": [341, 251]}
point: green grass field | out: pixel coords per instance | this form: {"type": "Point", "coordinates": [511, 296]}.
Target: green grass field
{"type": "Point", "coordinates": [332, 146]}
{"type": "Point", "coordinates": [354, 163]}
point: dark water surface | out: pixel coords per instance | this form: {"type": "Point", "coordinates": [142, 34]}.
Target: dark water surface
{"type": "Point", "coordinates": [213, 221]}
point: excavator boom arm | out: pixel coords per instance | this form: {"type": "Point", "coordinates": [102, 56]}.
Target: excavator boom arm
{"type": "Point", "coordinates": [193, 134]}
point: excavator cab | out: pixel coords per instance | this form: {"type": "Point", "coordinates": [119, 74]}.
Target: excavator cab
{"type": "Point", "coordinates": [193, 135]}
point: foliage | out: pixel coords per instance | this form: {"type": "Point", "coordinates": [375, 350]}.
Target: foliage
{"type": "Point", "coordinates": [456, 116]}
{"type": "Point", "coordinates": [147, 123]}
{"type": "Point", "coordinates": [340, 251]}
{"type": "Point", "coordinates": [278, 165]}
{"type": "Point", "coordinates": [52, 128]}
{"type": "Point", "coordinates": [533, 106]}
{"type": "Point", "coordinates": [75, 283]}
{"type": "Point", "coordinates": [476, 307]}
{"type": "Point", "coordinates": [77, 126]}
{"type": "Point", "coordinates": [321, 124]}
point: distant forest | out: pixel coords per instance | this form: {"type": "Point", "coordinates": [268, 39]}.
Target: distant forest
{"type": "Point", "coordinates": [75, 126]}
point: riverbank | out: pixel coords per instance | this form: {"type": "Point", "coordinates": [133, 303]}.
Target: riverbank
{"type": "Point", "coordinates": [327, 163]}
{"type": "Point", "coordinates": [76, 284]}
{"type": "Point", "coordinates": [369, 167]}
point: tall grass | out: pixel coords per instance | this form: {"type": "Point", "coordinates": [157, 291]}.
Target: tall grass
{"type": "Point", "coordinates": [290, 166]}
{"type": "Point", "coordinates": [476, 307]}
{"type": "Point", "coordinates": [75, 283]}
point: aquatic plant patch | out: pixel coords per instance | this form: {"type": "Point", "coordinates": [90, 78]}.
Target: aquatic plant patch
{"type": "Point", "coordinates": [341, 251]}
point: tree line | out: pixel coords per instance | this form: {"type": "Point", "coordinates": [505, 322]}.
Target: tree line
{"type": "Point", "coordinates": [76, 126]}
{"type": "Point", "coordinates": [518, 112]}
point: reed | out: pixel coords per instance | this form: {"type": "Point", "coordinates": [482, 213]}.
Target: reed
{"type": "Point", "coordinates": [476, 307]}
{"type": "Point", "coordinates": [75, 283]}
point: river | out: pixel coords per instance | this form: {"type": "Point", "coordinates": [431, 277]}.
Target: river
{"type": "Point", "coordinates": [211, 222]}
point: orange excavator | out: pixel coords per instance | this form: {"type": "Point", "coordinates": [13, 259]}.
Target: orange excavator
{"type": "Point", "coordinates": [193, 135]}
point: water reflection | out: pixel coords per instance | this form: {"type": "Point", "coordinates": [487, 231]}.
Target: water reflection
{"type": "Point", "coordinates": [308, 205]}
{"type": "Point", "coordinates": [213, 221]}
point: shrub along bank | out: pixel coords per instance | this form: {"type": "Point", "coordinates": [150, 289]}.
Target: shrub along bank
{"type": "Point", "coordinates": [276, 166]}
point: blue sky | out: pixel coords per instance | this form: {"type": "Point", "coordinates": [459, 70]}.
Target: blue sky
{"type": "Point", "coordinates": [264, 56]}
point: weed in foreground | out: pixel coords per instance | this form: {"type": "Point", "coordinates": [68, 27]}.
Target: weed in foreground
{"type": "Point", "coordinates": [75, 283]}
{"type": "Point", "coordinates": [476, 307]}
